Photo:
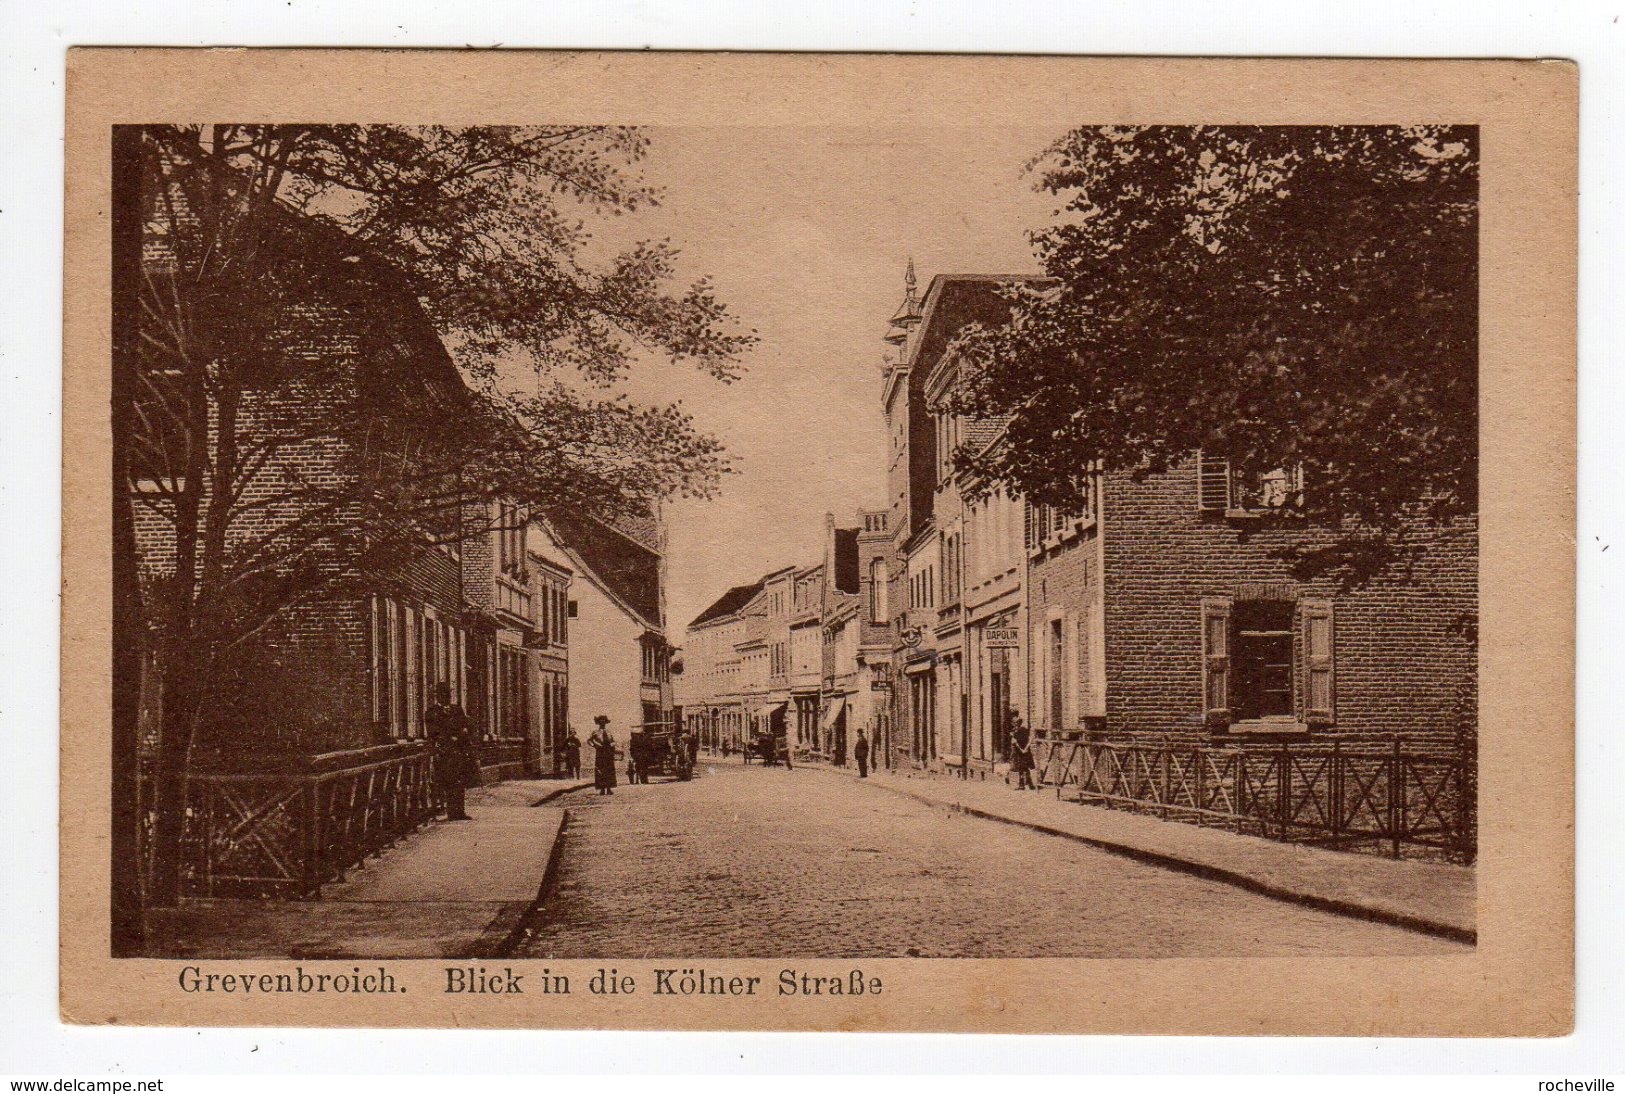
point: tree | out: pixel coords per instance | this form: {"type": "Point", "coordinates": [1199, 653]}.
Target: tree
{"type": "Point", "coordinates": [251, 233]}
{"type": "Point", "coordinates": [1277, 296]}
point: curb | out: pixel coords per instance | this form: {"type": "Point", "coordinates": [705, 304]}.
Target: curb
{"type": "Point", "coordinates": [507, 930]}
{"type": "Point", "coordinates": [559, 793]}
{"type": "Point", "coordinates": [1334, 905]}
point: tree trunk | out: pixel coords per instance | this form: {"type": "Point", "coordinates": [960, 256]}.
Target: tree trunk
{"type": "Point", "coordinates": [169, 780]}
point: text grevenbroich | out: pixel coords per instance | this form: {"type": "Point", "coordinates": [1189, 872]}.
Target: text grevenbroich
{"type": "Point", "coordinates": [377, 981]}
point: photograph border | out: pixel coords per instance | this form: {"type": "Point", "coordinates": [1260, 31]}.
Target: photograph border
{"type": "Point", "coordinates": [1520, 979]}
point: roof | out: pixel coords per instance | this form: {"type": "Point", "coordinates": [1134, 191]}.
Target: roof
{"type": "Point", "coordinates": [982, 432]}
{"type": "Point", "coordinates": [728, 603]}
{"type": "Point", "coordinates": [955, 301]}
{"type": "Point", "coordinates": [627, 569]}
{"type": "Point", "coordinates": [641, 528]}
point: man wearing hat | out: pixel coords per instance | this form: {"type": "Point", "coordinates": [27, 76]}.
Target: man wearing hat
{"type": "Point", "coordinates": [604, 752]}
{"type": "Point", "coordinates": [456, 760]}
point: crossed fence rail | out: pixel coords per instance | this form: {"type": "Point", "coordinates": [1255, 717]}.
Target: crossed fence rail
{"type": "Point", "coordinates": [1357, 799]}
{"type": "Point", "coordinates": [285, 833]}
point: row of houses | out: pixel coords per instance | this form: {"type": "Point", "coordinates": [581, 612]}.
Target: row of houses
{"type": "Point", "coordinates": [1162, 611]}
{"type": "Point", "coordinates": [794, 654]}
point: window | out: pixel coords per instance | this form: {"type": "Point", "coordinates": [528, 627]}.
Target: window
{"type": "Point", "coordinates": [950, 569]}
{"type": "Point", "coordinates": [414, 672]}
{"type": "Point", "coordinates": [1221, 488]}
{"type": "Point", "coordinates": [510, 539]}
{"type": "Point", "coordinates": [1057, 673]}
{"type": "Point", "coordinates": [1250, 652]}
{"type": "Point", "coordinates": [514, 693]}
{"type": "Point", "coordinates": [1261, 659]}
{"type": "Point", "coordinates": [1086, 673]}
{"type": "Point", "coordinates": [877, 591]}
{"type": "Point", "coordinates": [550, 619]}
{"type": "Point", "coordinates": [383, 662]}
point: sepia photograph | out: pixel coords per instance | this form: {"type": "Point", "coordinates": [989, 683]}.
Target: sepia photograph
{"type": "Point", "coordinates": [941, 546]}
{"type": "Point", "coordinates": [1074, 555]}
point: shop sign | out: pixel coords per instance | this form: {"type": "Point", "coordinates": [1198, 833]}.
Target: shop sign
{"type": "Point", "coordinates": [1002, 638]}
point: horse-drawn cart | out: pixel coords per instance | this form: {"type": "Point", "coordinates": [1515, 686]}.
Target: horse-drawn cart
{"type": "Point", "coordinates": [658, 749]}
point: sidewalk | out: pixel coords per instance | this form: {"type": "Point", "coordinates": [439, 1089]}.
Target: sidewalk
{"type": "Point", "coordinates": [1437, 898]}
{"type": "Point", "coordinates": [450, 889]}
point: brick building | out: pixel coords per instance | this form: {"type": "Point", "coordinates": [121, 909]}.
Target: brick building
{"type": "Point", "coordinates": [933, 687]}
{"type": "Point", "coordinates": [712, 688]}
{"type": "Point", "coordinates": [1165, 612]}
{"type": "Point", "coordinates": [352, 658]}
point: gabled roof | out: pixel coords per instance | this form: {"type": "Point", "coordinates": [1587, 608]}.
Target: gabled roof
{"type": "Point", "coordinates": [728, 603]}
{"type": "Point", "coordinates": [627, 570]}
{"type": "Point", "coordinates": [955, 301]}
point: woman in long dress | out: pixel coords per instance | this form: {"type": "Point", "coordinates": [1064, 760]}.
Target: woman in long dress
{"type": "Point", "coordinates": [604, 752]}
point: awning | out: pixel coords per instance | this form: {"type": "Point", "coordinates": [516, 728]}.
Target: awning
{"type": "Point", "coordinates": [833, 711]}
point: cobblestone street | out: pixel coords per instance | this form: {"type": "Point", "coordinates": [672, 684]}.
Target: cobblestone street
{"type": "Point", "coordinates": [754, 862]}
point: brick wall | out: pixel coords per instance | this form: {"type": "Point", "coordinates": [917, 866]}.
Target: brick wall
{"type": "Point", "coordinates": [1058, 580]}
{"type": "Point", "coordinates": [1401, 667]}
{"type": "Point", "coordinates": [304, 683]}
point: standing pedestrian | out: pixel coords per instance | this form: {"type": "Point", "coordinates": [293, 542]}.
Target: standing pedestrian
{"type": "Point", "coordinates": [1021, 753]}
{"type": "Point", "coordinates": [456, 766]}
{"type": "Point", "coordinates": [604, 751]}
{"type": "Point", "coordinates": [860, 752]}
{"type": "Point", "coordinates": [637, 758]}
{"type": "Point", "coordinates": [572, 754]}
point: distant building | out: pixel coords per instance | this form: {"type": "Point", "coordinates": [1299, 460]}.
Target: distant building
{"type": "Point", "coordinates": [618, 654]}
{"type": "Point", "coordinates": [782, 656]}
{"type": "Point", "coordinates": [712, 688]}
{"type": "Point", "coordinates": [873, 633]}
{"type": "Point", "coordinates": [934, 685]}
{"type": "Point", "coordinates": [847, 678]}
{"type": "Point", "coordinates": [806, 658]}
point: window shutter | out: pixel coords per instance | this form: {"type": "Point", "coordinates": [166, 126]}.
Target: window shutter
{"type": "Point", "coordinates": [1317, 658]}
{"type": "Point", "coordinates": [1216, 660]}
{"type": "Point", "coordinates": [1213, 485]}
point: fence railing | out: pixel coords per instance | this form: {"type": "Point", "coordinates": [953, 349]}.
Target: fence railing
{"type": "Point", "coordinates": [1366, 799]}
{"type": "Point", "coordinates": [257, 832]}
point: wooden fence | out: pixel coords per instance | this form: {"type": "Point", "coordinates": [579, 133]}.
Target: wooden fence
{"type": "Point", "coordinates": [1360, 799]}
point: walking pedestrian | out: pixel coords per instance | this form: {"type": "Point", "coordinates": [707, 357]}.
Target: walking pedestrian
{"type": "Point", "coordinates": [456, 765]}
{"type": "Point", "coordinates": [1021, 753]}
{"type": "Point", "coordinates": [860, 752]}
{"type": "Point", "coordinates": [572, 754]}
{"type": "Point", "coordinates": [604, 751]}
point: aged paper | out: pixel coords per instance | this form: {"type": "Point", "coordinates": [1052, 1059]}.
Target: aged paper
{"type": "Point", "coordinates": [818, 542]}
